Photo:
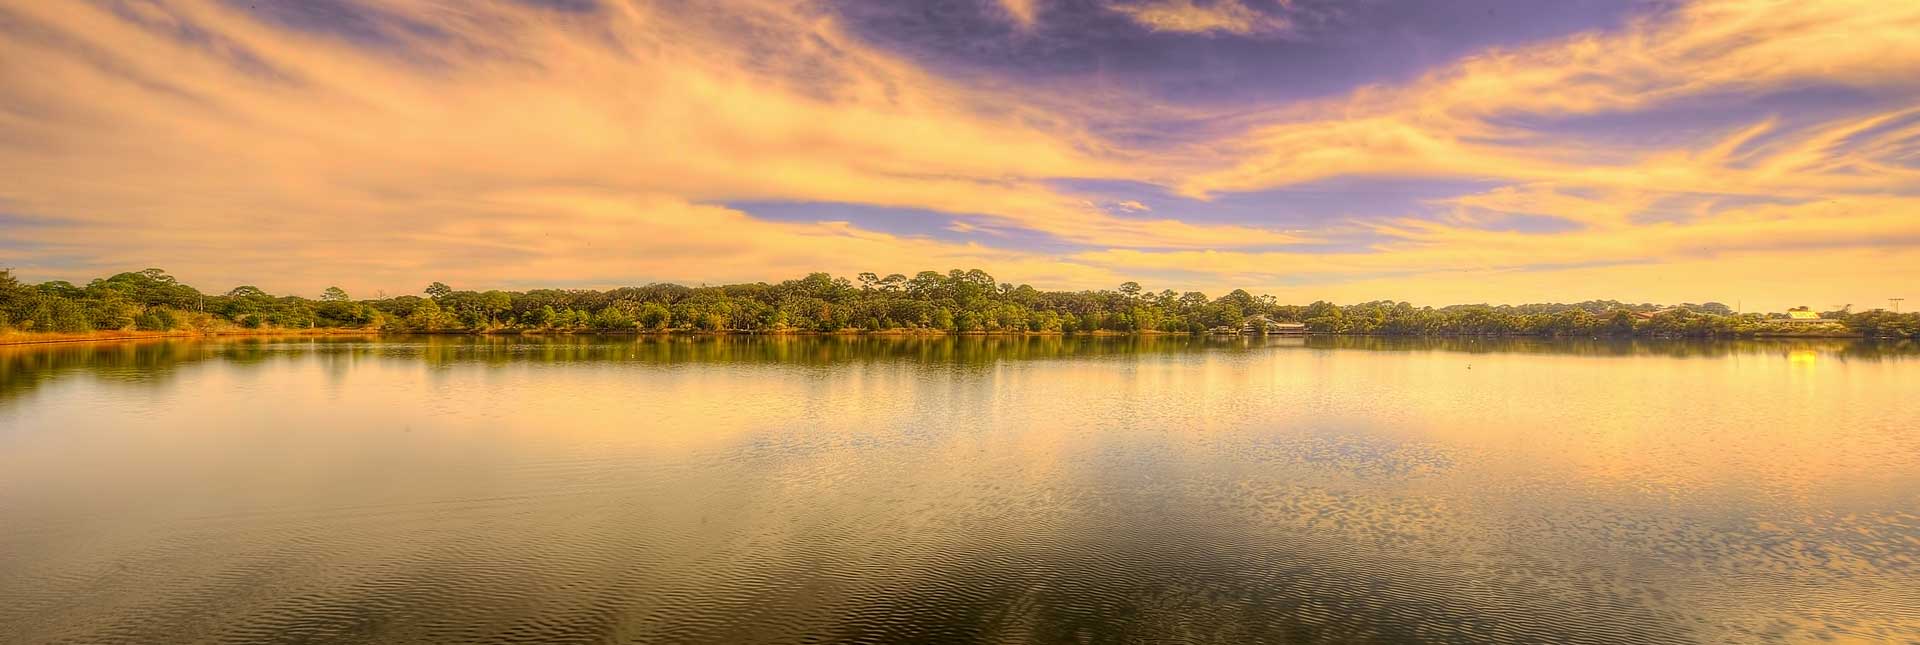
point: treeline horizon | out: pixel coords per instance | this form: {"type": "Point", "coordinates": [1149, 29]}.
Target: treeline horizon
{"type": "Point", "coordinates": [954, 302]}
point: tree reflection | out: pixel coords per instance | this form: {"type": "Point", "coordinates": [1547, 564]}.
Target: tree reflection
{"type": "Point", "coordinates": [26, 367]}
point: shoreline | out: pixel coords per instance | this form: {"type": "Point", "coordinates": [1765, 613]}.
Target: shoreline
{"type": "Point", "coordinates": [123, 336]}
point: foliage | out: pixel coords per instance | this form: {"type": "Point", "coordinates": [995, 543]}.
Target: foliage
{"type": "Point", "coordinates": [954, 302]}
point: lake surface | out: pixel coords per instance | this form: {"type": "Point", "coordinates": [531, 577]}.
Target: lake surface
{"type": "Point", "coordinates": [1111, 490]}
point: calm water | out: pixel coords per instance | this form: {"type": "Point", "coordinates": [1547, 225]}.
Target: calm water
{"type": "Point", "coordinates": [751, 490]}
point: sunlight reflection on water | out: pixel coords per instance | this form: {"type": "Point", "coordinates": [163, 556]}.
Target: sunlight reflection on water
{"type": "Point", "coordinates": [992, 489]}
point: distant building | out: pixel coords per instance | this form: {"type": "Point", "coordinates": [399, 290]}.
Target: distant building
{"type": "Point", "coordinates": [1802, 315]}
{"type": "Point", "coordinates": [1262, 325]}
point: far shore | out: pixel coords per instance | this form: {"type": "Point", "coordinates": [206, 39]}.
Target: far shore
{"type": "Point", "coordinates": [28, 338]}
{"type": "Point", "coordinates": [18, 338]}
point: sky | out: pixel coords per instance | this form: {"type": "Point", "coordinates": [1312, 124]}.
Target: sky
{"type": "Point", "coordinates": [1764, 154]}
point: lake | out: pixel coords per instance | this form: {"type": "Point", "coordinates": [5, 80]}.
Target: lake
{"type": "Point", "coordinates": [1001, 489]}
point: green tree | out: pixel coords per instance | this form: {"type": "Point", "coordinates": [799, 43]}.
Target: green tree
{"type": "Point", "coordinates": [154, 319]}
{"type": "Point", "coordinates": [612, 319]}
{"type": "Point", "coordinates": [13, 296]}
{"type": "Point", "coordinates": [541, 317]}
{"type": "Point", "coordinates": [36, 310]}
{"type": "Point", "coordinates": [1620, 323]}
{"type": "Point", "coordinates": [428, 316]}
{"type": "Point", "coordinates": [1715, 308]}
{"type": "Point", "coordinates": [654, 316]}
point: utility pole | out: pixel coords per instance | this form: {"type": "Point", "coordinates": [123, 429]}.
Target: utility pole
{"type": "Point", "coordinates": [1896, 304]}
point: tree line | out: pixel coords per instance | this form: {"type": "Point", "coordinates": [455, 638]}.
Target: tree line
{"type": "Point", "coordinates": [953, 302]}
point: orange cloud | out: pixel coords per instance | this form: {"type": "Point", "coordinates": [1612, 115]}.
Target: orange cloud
{"type": "Point", "coordinates": [1023, 12]}
{"type": "Point", "coordinates": [665, 108]}
{"type": "Point", "coordinates": [1447, 122]}
{"type": "Point", "coordinates": [1190, 16]}
{"type": "Point", "coordinates": [519, 143]}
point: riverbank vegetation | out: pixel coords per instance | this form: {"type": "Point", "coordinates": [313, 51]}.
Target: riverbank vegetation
{"type": "Point", "coordinates": [929, 302]}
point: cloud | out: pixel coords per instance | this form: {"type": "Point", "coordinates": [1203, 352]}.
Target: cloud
{"type": "Point", "coordinates": [1024, 13]}
{"type": "Point", "coordinates": [1760, 253]}
{"type": "Point", "coordinates": [503, 141]}
{"type": "Point", "coordinates": [1458, 120]}
{"type": "Point", "coordinates": [208, 116]}
{"type": "Point", "coordinates": [1202, 17]}
{"type": "Point", "coordinates": [1831, 193]}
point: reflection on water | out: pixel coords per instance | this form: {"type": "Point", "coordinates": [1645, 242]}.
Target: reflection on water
{"type": "Point", "coordinates": [139, 359]}
{"type": "Point", "coordinates": [1042, 489]}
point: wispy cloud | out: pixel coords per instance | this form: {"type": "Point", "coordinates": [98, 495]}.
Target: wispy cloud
{"type": "Point", "coordinates": [1203, 17]}
{"type": "Point", "coordinates": [1454, 120]}
{"type": "Point", "coordinates": [119, 120]}
{"type": "Point", "coordinates": [499, 140]}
